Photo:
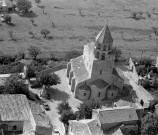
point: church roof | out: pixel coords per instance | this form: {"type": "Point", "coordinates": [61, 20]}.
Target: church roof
{"type": "Point", "coordinates": [104, 36]}
{"type": "Point", "coordinates": [99, 83]}
{"type": "Point", "coordinates": [113, 87]}
{"type": "Point", "coordinates": [79, 69]}
{"type": "Point", "coordinates": [119, 114]}
{"type": "Point", "coordinates": [85, 127]}
{"type": "Point", "coordinates": [85, 87]}
{"type": "Point", "coordinates": [117, 73]}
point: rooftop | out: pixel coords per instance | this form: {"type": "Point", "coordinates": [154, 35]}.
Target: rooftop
{"type": "Point", "coordinates": [104, 36]}
{"type": "Point", "coordinates": [85, 127]}
{"type": "Point", "coordinates": [117, 114]}
{"type": "Point", "coordinates": [14, 107]}
{"type": "Point", "coordinates": [80, 71]}
{"type": "Point", "coordinates": [99, 83]}
{"type": "Point", "coordinates": [40, 117]}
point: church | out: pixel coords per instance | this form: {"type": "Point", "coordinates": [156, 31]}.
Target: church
{"type": "Point", "coordinates": [93, 75]}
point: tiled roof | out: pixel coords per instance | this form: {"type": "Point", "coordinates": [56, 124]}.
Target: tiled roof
{"type": "Point", "coordinates": [85, 127]}
{"type": "Point", "coordinates": [99, 83]}
{"type": "Point", "coordinates": [104, 36]}
{"type": "Point", "coordinates": [14, 107]}
{"type": "Point", "coordinates": [118, 114]}
{"type": "Point", "coordinates": [85, 87]}
{"type": "Point", "coordinates": [79, 69]}
{"type": "Point", "coordinates": [40, 118]}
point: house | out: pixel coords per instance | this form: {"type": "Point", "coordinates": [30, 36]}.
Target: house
{"type": "Point", "coordinates": [7, 6]}
{"type": "Point", "coordinates": [84, 127]}
{"type": "Point", "coordinates": [14, 110]}
{"type": "Point", "coordinates": [40, 121]}
{"type": "Point", "coordinates": [93, 75]}
{"type": "Point", "coordinates": [111, 117]}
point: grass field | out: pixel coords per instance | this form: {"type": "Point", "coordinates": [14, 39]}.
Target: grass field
{"type": "Point", "coordinates": [73, 30]}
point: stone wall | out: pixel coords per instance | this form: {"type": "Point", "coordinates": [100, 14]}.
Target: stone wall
{"type": "Point", "coordinates": [134, 76]}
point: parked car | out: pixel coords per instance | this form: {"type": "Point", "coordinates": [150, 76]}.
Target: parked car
{"type": "Point", "coordinates": [46, 106]}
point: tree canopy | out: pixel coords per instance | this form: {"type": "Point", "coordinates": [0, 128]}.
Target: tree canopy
{"type": "Point", "coordinates": [24, 5]}
{"type": "Point", "coordinates": [63, 106]}
{"type": "Point", "coordinates": [45, 32]}
{"type": "Point", "coordinates": [14, 84]}
{"type": "Point", "coordinates": [48, 79]}
{"type": "Point", "coordinates": [117, 52]}
{"type": "Point", "coordinates": [34, 51]}
{"type": "Point", "coordinates": [149, 124]}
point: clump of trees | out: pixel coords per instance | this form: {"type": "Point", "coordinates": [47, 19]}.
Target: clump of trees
{"type": "Point", "coordinates": [7, 19]}
{"type": "Point", "coordinates": [23, 5]}
{"type": "Point", "coordinates": [149, 124]}
{"type": "Point", "coordinates": [34, 51]}
{"type": "Point", "coordinates": [37, 1]}
{"type": "Point", "coordinates": [72, 54]}
{"type": "Point", "coordinates": [14, 84]}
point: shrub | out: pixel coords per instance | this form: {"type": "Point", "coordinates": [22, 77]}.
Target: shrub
{"type": "Point", "coordinates": [7, 18]}
{"type": "Point", "coordinates": [34, 51]}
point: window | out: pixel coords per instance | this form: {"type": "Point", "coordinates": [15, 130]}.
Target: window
{"type": "Point", "coordinates": [103, 56]}
{"type": "Point", "coordinates": [99, 94]}
{"type": "Point", "coordinates": [98, 46]}
{"type": "Point", "coordinates": [112, 94]}
{"type": "Point", "coordinates": [85, 83]}
{"type": "Point", "coordinates": [84, 94]}
{"type": "Point", "coordinates": [100, 71]}
{"type": "Point", "coordinates": [14, 127]}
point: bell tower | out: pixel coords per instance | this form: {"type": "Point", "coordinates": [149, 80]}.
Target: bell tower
{"type": "Point", "coordinates": [103, 44]}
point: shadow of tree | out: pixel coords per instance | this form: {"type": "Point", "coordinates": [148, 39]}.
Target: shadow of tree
{"type": "Point", "coordinates": [30, 15]}
{"type": "Point", "coordinates": [11, 24]}
{"type": "Point", "coordinates": [58, 95]}
{"type": "Point", "coordinates": [42, 7]}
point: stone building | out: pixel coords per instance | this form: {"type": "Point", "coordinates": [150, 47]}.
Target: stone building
{"type": "Point", "coordinates": [93, 75]}
{"type": "Point", "coordinates": [14, 111]}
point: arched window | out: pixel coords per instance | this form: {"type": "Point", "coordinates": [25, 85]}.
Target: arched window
{"type": "Point", "coordinates": [103, 56]}
{"type": "Point", "coordinates": [104, 48]}
{"type": "Point", "coordinates": [14, 127]}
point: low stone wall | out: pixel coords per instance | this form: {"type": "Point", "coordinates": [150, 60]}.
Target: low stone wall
{"type": "Point", "coordinates": [54, 69]}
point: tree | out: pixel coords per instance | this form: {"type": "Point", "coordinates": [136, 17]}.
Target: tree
{"type": "Point", "coordinates": [45, 32]}
{"type": "Point", "coordinates": [34, 51]}
{"type": "Point", "coordinates": [147, 61]}
{"type": "Point", "coordinates": [14, 84]}
{"type": "Point", "coordinates": [30, 72]}
{"type": "Point", "coordinates": [7, 18]}
{"type": "Point", "coordinates": [66, 116]}
{"type": "Point", "coordinates": [37, 1]}
{"type": "Point", "coordinates": [149, 124]}
{"type": "Point", "coordinates": [24, 5]}
{"type": "Point", "coordinates": [117, 52]}
{"type": "Point", "coordinates": [72, 54]}
{"type": "Point", "coordinates": [31, 33]}
{"type": "Point", "coordinates": [152, 105]}
{"type": "Point", "coordinates": [49, 79]}
{"type": "Point", "coordinates": [85, 109]}
{"type": "Point", "coordinates": [63, 106]}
